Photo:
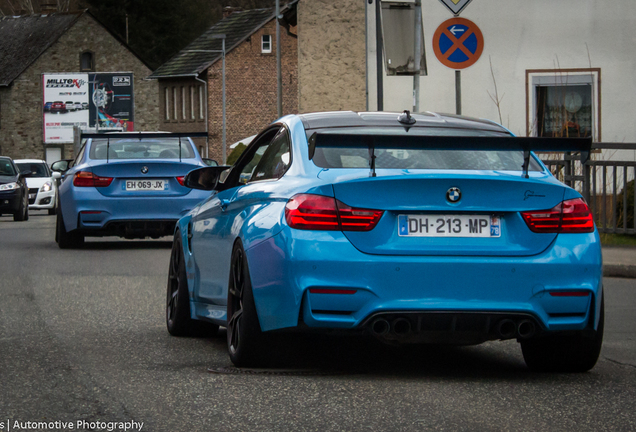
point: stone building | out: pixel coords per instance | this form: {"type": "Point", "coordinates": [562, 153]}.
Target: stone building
{"type": "Point", "coordinates": [331, 55]}
{"type": "Point", "coordinates": [194, 75]}
{"type": "Point", "coordinates": [33, 45]}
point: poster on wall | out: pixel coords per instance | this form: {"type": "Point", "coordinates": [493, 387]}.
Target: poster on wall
{"type": "Point", "coordinates": [94, 102]}
{"type": "Point", "coordinates": [112, 101]}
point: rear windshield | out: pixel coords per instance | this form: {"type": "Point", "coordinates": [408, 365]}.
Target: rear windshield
{"type": "Point", "coordinates": [150, 148]}
{"type": "Point", "coordinates": [34, 169]}
{"type": "Point", "coordinates": [397, 157]}
{"type": "Point", "coordinates": [6, 168]}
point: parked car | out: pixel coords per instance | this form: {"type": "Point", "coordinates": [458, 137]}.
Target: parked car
{"type": "Point", "coordinates": [70, 105]}
{"type": "Point", "coordinates": [125, 184]}
{"type": "Point", "coordinates": [47, 106]}
{"type": "Point", "coordinates": [411, 228]}
{"type": "Point", "coordinates": [13, 191]}
{"type": "Point", "coordinates": [84, 105]}
{"type": "Point", "coordinates": [41, 184]}
{"type": "Point", "coordinates": [58, 107]}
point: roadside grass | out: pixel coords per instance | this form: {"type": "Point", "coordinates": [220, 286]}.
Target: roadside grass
{"type": "Point", "coordinates": [618, 240]}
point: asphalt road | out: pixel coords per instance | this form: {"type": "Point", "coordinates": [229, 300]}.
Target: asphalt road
{"type": "Point", "coordinates": [82, 337]}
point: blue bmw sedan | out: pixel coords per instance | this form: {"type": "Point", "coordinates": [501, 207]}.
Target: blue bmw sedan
{"type": "Point", "coordinates": [129, 185]}
{"type": "Point", "coordinates": [413, 229]}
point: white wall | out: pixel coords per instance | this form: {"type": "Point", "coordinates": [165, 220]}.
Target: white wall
{"type": "Point", "coordinates": [521, 35]}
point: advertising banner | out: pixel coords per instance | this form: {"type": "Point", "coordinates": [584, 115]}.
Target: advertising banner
{"type": "Point", "coordinates": [95, 102]}
{"type": "Point", "coordinates": [65, 105]}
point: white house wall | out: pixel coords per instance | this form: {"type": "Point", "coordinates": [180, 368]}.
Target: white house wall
{"type": "Point", "coordinates": [520, 35]}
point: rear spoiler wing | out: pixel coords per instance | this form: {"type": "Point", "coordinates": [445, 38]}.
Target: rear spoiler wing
{"type": "Point", "coordinates": [471, 143]}
{"type": "Point", "coordinates": [139, 136]}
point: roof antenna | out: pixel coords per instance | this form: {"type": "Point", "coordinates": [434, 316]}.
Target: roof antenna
{"type": "Point", "coordinates": [405, 118]}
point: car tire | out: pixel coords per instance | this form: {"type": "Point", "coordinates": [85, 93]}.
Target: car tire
{"type": "Point", "coordinates": [178, 316]}
{"type": "Point", "coordinates": [52, 211]}
{"type": "Point", "coordinates": [64, 239]}
{"type": "Point", "coordinates": [247, 345]}
{"type": "Point", "coordinates": [560, 353]}
{"type": "Point", "coordinates": [23, 212]}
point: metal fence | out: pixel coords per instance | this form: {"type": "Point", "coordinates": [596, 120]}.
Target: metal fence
{"type": "Point", "coordinates": [607, 185]}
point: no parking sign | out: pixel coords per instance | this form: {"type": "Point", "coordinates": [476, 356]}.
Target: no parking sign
{"type": "Point", "coordinates": [458, 43]}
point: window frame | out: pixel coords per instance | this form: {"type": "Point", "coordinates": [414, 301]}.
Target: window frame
{"type": "Point", "coordinates": [201, 101]}
{"type": "Point", "coordinates": [92, 61]}
{"type": "Point", "coordinates": [263, 49]}
{"type": "Point", "coordinates": [562, 77]}
{"type": "Point", "coordinates": [192, 109]}
{"type": "Point", "coordinates": [167, 103]}
{"type": "Point", "coordinates": [175, 103]}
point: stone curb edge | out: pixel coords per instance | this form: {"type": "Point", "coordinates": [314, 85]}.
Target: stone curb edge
{"type": "Point", "coordinates": [619, 271]}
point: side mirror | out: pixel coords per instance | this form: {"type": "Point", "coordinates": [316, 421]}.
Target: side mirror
{"type": "Point", "coordinates": [61, 166]}
{"type": "Point", "coordinates": [206, 178]}
{"type": "Point", "coordinates": [210, 162]}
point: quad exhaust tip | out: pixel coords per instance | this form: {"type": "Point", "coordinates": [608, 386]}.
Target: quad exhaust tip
{"type": "Point", "coordinates": [506, 329]}
{"type": "Point", "coordinates": [380, 326]}
{"type": "Point", "coordinates": [401, 326]}
{"type": "Point", "coordinates": [526, 329]}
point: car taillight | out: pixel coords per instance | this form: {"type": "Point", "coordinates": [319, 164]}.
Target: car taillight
{"type": "Point", "coordinates": [181, 180]}
{"type": "Point", "coordinates": [571, 216]}
{"type": "Point", "coordinates": [88, 179]}
{"type": "Point", "coordinates": [317, 212]}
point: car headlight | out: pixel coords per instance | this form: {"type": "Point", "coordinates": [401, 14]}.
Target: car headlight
{"type": "Point", "coordinates": [46, 187]}
{"type": "Point", "coordinates": [9, 186]}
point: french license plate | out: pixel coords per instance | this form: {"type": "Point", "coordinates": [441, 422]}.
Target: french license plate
{"type": "Point", "coordinates": [145, 185]}
{"type": "Point", "coordinates": [440, 225]}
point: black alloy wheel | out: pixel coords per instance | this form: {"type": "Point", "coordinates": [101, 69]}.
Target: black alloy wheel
{"type": "Point", "coordinates": [577, 352]}
{"type": "Point", "coordinates": [247, 345]}
{"type": "Point", "coordinates": [178, 318]}
{"type": "Point", "coordinates": [23, 212]}
{"type": "Point", "coordinates": [64, 239]}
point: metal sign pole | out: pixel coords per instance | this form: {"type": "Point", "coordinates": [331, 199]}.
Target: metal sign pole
{"type": "Point", "coordinates": [279, 74]}
{"type": "Point", "coordinates": [417, 56]}
{"type": "Point", "coordinates": [224, 125]}
{"type": "Point", "coordinates": [378, 50]}
{"type": "Point", "coordinates": [458, 92]}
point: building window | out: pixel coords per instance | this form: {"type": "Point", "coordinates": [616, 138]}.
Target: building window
{"type": "Point", "coordinates": [183, 103]}
{"type": "Point", "coordinates": [201, 101]}
{"type": "Point", "coordinates": [87, 61]}
{"type": "Point", "coordinates": [167, 100]}
{"type": "Point", "coordinates": [564, 103]}
{"type": "Point", "coordinates": [174, 103]}
{"type": "Point", "coordinates": [192, 102]}
{"type": "Point", "coordinates": [266, 44]}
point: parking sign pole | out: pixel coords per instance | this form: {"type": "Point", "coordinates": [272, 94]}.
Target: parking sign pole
{"type": "Point", "coordinates": [418, 55]}
{"type": "Point", "coordinates": [458, 92]}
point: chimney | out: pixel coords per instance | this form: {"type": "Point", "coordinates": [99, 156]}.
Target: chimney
{"type": "Point", "coordinates": [227, 10]}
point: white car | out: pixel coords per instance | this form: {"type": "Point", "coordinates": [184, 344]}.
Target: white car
{"type": "Point", "coordinates": [41, 183]}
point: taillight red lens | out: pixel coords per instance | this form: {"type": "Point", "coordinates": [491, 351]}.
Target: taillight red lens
{"type": "Point", "coordinates": [571, 216]}
{"type": "Point", "coordinates": [317, 212]}
{"type": "Point", "coordinates": [181, 180]}
{"type": "Point", "coordinates": [88, 179]}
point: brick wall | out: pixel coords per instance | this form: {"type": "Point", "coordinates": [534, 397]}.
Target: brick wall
{"type": "Point", "coordinates": [251, 88]}
{"type": "Point", "coordinates": [331, 55]}
{"type": "Point", "coordinates": [21, 134]}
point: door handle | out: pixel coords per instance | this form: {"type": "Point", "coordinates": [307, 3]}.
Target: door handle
{"type": "Point", "coordinates": [224, 204]}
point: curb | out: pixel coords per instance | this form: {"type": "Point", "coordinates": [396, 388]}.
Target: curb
{"type": "Point", "coordinates": [619, 271]}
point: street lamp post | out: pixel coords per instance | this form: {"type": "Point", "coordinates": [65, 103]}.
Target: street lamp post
{"type": "Point", "coordinates": [222, 51]}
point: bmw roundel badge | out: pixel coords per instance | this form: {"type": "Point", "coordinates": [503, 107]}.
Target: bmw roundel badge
{"type": "Point", "coordinates": [144, 170]}
{"type": "Point", "coordinates": [453, 195]}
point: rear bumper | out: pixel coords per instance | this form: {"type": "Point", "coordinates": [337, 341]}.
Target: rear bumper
{"type": "Point", "coordinates": [284, 269]}
{"type": "Point", "coordinates": [94, 214]}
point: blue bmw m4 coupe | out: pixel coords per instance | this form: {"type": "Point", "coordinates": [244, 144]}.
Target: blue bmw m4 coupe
{"type": "Point", "coordinates": [420, 228]}
{"type": "Point", "coordinates": [126, 184]}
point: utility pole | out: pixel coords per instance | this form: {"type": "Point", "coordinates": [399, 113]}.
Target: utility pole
{"type": "Point", "coordinates": [418, 55]}
{"type": "Point", "coordinates": [378, 51]}
{"type": "Point", "coordinates": [279, 74]}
